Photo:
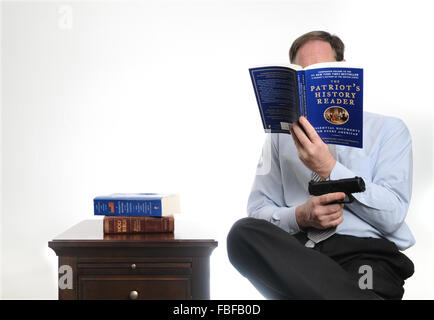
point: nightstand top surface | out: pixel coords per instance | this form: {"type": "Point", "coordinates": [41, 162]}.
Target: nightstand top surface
{"type": "Point", "coordinates": [92, 231]}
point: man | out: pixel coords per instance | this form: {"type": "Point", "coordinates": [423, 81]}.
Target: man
{"type": "Point", "coordinates": [297, 246]}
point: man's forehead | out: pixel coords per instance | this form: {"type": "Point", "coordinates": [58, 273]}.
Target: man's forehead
{"type": "Point", "coordinates": [314, 51]}
{"type": "Point", "coordinates": [315, 45]}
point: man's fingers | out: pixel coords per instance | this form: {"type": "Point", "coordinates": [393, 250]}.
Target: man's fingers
{"type": "Point", "coordinates": [323, 211]}
{"type": "Point", "coordinates": [310, 131]}
{"type": "Point", "coordinates": [331, 197]}
{"type": "Point", "coordinates": [296, 141]}
{"type": "Point", "coordinates": [331, 209]}
{"type": "Point", "coordinates": [331, 217]}
{"type": "Point", "coordinates": [330, 221]}
{"type": "Point", "coordinates": [335, 223]}
{"type": "Point", "coordinates": [302, 138]}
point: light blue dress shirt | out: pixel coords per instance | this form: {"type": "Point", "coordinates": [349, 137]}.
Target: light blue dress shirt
{"type": "Point", "coordinates": [384, 163]}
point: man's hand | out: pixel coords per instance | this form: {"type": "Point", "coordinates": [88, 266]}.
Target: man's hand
{"type": "Point", "coordinates": [317, 212]}
{"type": "Point", "coordinates": [312, 151]}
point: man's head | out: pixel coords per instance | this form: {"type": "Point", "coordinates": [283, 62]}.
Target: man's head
{"type": "Point", "coordinates": [316, 46]}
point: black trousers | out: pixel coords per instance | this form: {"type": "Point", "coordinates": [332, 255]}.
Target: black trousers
{"type": "Point", "coordinates": [281, 267]}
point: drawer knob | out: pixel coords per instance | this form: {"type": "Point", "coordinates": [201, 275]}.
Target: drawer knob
{"type": "Point", "coordinates": [133, 266]}
{"type": "Point", "coordinates": [134, 295]}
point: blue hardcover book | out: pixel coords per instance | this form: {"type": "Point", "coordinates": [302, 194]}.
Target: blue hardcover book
{"type": "Point", "coordinates": [137, 204]}
{"type": "Point", "coordinates": [329, 95]}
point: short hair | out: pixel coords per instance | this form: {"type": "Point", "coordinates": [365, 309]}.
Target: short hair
{"type": "Point", "coordinates": [336, 43]}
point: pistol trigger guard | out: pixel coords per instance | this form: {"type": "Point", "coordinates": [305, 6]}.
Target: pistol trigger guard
{"type": "Point", "coordinates": [349, 197]}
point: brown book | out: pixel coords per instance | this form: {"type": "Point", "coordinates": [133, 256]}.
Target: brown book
{"type": "Point", "coordinates": [125, 224]}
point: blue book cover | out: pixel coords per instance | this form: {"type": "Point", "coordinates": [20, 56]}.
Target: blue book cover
{"type": "Point", "coordinates": [329, 95]}
{"type": "Point", "coordinates": [137, 204]}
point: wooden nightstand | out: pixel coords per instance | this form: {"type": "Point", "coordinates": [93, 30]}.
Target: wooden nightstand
{"type": "Point", "coordinates": [142, 266]}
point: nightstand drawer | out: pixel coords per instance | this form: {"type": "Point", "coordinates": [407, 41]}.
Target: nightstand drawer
{"type": "Point", "coordinates": [134, 267]}
{"type": "Point", "coordinates": [134, 288]}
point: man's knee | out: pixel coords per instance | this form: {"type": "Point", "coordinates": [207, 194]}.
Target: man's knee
{"type": "Point", "coordinates": [239, 237]}
{"type": "Point", "coordinates": [240, 230]}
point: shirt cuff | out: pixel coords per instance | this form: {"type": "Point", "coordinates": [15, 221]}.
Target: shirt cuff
{"type": "Point", "coordinates": [285, 218]}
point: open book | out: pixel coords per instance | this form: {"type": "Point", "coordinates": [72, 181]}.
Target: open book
{"type": "Point", "coordinates": [329, 95]}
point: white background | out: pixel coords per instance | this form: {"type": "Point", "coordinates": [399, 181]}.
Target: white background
{"type": "Point", "coordinates": [155, 96]}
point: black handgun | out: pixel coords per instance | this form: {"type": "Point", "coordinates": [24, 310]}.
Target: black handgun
{"type": "Point", "coordinates": [348, 186]}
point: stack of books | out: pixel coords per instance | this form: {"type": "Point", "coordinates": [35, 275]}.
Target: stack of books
{"type": "Point", "coordinates": [137, 212]}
